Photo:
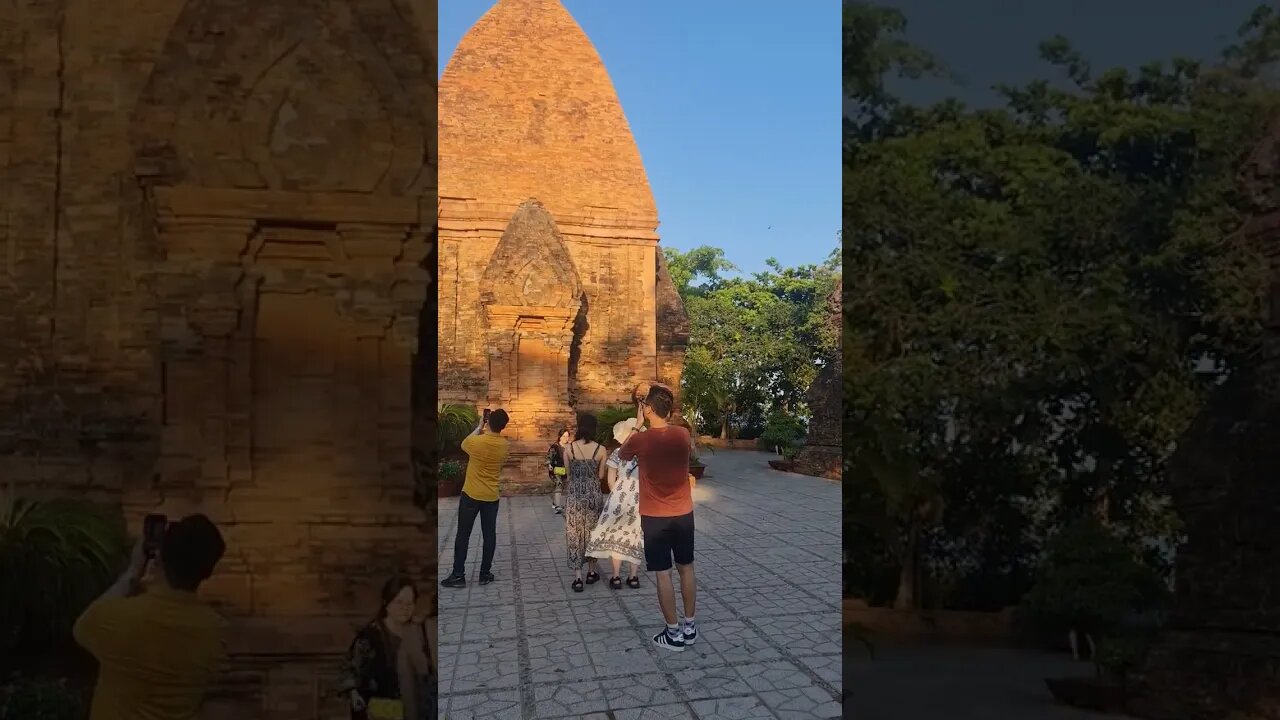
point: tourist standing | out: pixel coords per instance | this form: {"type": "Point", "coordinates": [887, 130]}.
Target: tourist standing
{"type": "Point", "coordinates": [556, 469]}
{"type": "Point", "coordinates": [386, 671]}
{"type": "Point", "coordinates": [585, 458]}
{"type": "Point", "coordinates": [617, 533]}
{"type": "Point", "coordinates": [666, 511]}
{"type": "Point", "coordinates": [486, 451]}
{"type": "Point", "coordinates": [158, 651]}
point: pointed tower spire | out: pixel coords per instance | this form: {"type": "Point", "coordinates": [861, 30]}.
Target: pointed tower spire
{"type": "Point", "coordinates": [527, 109]}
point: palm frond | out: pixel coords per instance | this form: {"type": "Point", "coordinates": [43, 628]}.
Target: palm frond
{"type": "Point", "coordinates": [453, 422]}
{"type": "Point", "coordinates": [55, 557]}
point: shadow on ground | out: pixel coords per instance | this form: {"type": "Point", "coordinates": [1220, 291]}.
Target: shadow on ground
{"type": "Point", "coordinates": [957, 683]}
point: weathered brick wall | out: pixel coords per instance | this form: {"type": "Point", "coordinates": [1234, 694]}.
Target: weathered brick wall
{"type": "Point", "coordinates": [179, 183]}
{"type": "Point", "coordinates": [528, 112]}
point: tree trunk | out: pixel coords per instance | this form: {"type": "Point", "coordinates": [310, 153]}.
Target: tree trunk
{"type": "Point", "coordinates": [908, 577]}
{"type": "Point", "coordinates": [724, 426]}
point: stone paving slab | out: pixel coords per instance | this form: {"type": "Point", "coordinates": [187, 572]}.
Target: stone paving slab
{"type": "Point", "coordinates": [768, 560]}
{"type": "Point", "coordinates": [960, 683]}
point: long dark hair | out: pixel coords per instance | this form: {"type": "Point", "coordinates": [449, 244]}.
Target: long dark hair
{"type": "Point", "coordinates": [392, 588]}
{"type": "Point", "coordinates": [586, 429]}
{"type": "Point", "coordinates": [560, 433]}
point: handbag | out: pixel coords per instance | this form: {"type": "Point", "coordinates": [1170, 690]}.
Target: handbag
{"type": "Point", "coordinates": [386, 709]}
{"type": "Point", "coordinates": [560, 471]}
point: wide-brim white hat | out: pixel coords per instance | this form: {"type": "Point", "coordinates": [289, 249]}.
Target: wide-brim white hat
{"type": "Point", "coordinates": [622, 430]}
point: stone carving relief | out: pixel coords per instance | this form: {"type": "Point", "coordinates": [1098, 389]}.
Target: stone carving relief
{"type": "Point", "coordinates": [312, 96]}
{"type": "Point", "coordinates": [531, 298]}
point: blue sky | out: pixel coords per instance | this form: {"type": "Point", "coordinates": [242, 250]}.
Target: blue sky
{"type": "Point", "coordinates": [991, 41]}
{"type": "Point", "coordinates": [736, 108]}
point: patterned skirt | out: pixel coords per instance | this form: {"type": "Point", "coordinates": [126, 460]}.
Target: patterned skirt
{"type": "Point", "coordinates": [617, 533]}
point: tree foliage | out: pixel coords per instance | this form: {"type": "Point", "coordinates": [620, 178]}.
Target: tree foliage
{"type": "Point", "coordinates": [756, 341]}
{"type": "Point", "coordinates": [1039, 297]}
{"type": "Point", "coordinates": [1090, 581]}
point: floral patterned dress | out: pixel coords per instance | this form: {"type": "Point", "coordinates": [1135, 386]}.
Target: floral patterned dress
{"type": "Point", "coordinates": [617, 534]}
{"type": "Point", "coordinates": [582, 503]}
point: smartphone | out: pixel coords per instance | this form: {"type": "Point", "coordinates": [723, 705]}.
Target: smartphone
{"type": "Point", "coordinates": [486, 416]}
{"type": "Point", "coordinates": [153, 527]}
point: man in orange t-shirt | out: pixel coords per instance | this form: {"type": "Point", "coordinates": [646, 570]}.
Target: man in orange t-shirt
{"type": "Point", "coordinates": [666, 511]}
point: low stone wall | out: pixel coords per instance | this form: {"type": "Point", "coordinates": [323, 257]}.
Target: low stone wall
{"type": "Point", "coordinates": [932, 626]}
{"type": "Point", "coordinates": [722, 444]}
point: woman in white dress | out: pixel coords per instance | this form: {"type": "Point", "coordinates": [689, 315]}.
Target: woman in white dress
{"type": "Point", "coordinates": [617, 533]}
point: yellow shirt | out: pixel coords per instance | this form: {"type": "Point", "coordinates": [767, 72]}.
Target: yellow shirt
{"type": "Point", "coordinates": [487, 452]}
{"type": "Point", "coordinates": [158, 653]}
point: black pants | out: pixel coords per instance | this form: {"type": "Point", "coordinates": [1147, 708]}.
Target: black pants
{"type": "Point", "coordinates": [468, 508]}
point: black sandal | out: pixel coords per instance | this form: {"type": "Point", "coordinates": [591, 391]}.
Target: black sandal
{"type": "Point", "coordinates": [593, 578]}
{"type": "Point", "coordinates": [633, 582]}
{"type": "Point", "coordinates": [577, 585]}
{"type": "Point", "coordinates": [615, 582]}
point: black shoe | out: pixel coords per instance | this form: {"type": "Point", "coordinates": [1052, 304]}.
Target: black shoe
{"type": "Point", "coordinates": [664, 640]}
{"type": "Point", "coordinates": [690, 634]}
{"type": "Point", "coordinates": [486, 578]}
{"type": "Point", "coordinates": [559, 510]}
{"type": "Point", "coordinates": [454, 581]}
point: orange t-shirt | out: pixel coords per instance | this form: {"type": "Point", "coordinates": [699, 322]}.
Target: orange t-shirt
{"type": "Point", "coordinates": [663, 454]}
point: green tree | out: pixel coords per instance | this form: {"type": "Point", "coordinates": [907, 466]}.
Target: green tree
{"type": "Point", "coordinates": [754, 341]}
{"type": "Point", "coordinates": [1048, 288]}
{"type": "Point", "coordinates": [702, 263]}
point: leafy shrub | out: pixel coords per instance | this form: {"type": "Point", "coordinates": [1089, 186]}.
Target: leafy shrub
{"type": "Point", "coordinates": [450, 470]}
{"type": "Point", "coordinates": [606, 418]}
{"type": "Point", "coordinates": [1091, 581]}
{"type": "Point", "coordinates": [782, 431]}
{"type": "Point", "coordinates": [453, 424]}
{"type": "Point", "coordinates": [1119, 656]}
{"type": "Point", "coordinates": [56, 556]}
{"type": "Point", "coordinates": [40, 699]}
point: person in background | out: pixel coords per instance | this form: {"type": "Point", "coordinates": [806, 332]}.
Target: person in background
{"type": "Point", "coordinates": [487, 451]}
{"type": "Point", "coordinates": [159, 650]}
{"type": "Point", "coordinates": [585, 458]}
{"type": "Point", "coordinates": [384, 676]}
{"type": "Point", "coordinates": [556, 470]}
{"type": "Point", "coordinates": [617, 533]}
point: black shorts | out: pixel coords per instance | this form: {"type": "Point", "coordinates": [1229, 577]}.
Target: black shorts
{"type": "Point", "coordinates": [665, 537]}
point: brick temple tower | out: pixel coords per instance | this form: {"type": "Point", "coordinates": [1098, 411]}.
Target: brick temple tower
{"type": "Point", "coordinates": [553, 291]}
{"type": "Point", "coordinates": [216, 226]}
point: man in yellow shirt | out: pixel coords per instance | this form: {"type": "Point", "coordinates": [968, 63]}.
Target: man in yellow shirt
{"type": "Point", "coordinates": [158, 652]}
{"type": "Point", "coordinates": [487, 451]}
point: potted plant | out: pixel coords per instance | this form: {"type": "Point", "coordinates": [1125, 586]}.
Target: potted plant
{"type": "Point", "coordinates": [449, 478]}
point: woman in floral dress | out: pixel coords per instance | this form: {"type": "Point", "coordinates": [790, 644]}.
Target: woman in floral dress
{"type": "Point", "coordinates": [585, 459]}
{"type": "Point", "coordinates": [617, 535]}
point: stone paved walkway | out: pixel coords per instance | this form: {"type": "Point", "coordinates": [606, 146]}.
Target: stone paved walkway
{"type": "Point", "coordinates": [959, 683]}
{"type": "Point", "coordinates": [768, 562]}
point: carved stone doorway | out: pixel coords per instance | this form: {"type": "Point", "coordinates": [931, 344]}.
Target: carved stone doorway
{"type": "Point", "coordinates": [287, 420]}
